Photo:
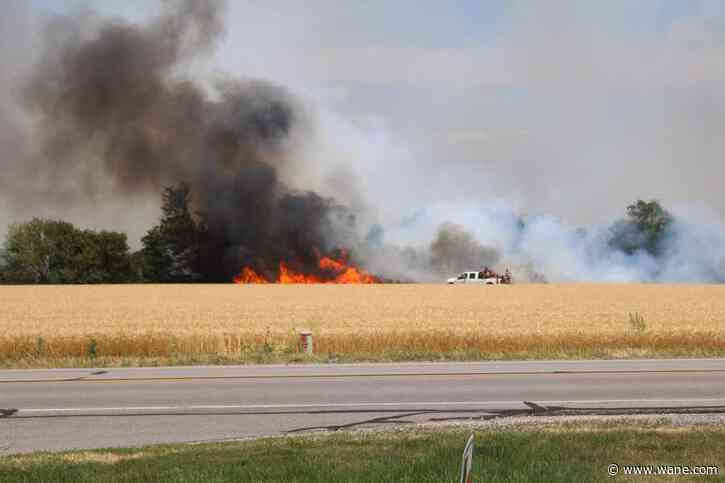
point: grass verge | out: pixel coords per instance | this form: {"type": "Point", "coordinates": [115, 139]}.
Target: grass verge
{"type": "Point", "coordinates": [156, 349]}
{"type": "Point", "coordinates": [565, 452]}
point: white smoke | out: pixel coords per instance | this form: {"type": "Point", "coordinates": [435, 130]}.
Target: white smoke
{"type": "Point", "coordinates": [560, 131]}
{"type": "Point", "coordinates": [543, 247]}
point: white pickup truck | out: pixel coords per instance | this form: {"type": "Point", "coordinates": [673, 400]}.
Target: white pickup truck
{"type": "Point", "coordinates": [484, 276]}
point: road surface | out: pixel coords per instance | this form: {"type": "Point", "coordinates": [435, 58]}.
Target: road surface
{"type": "Point", "coordinates": [62, 409]}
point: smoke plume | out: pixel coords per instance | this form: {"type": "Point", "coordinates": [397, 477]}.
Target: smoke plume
{"type": "Point", "coordinates": [113, 114]}
{"type": "Point", "coordinates": [107, 117]}
{"type": "Point", "coordinates": [454, 249]}
{"type": "Point", "coordinates": [539, 248]}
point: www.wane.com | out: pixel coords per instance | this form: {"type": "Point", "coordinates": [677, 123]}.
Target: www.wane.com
{"type": "Point", "coordinates": [670, 470]}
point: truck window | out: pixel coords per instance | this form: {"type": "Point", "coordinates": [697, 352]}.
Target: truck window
{"type": "Point", "coordinates": [462, 276]}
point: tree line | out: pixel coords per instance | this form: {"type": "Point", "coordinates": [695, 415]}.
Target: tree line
{"type": "Point", "coordinates": [43, 251]}
{"type": "Point", "coordinates": [46, 251]}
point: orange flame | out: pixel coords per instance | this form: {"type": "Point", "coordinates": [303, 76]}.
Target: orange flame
{"type": "Point", "coordinates": [286, 275]}
{"type": "Point", "coordinates": [249, 276]}
{"type": "Point", "coordinates": [332, 271]}
{"type": "Point", "coordinates": [327, 263]}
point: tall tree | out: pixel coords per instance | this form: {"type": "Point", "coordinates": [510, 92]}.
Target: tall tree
{"type": "Point", "coordinates": [3, 266]}
{"type": "Point", "coordinates": [644, 228]}
{"type": "Point", "coordinates": [38, 251]}
{"type": "Point", "coordinates": [171, 249]}
{"type": "Point", "coordinates": [156, 257]}
{"type": "Point", "coordinates": [104, 258]}
{"type": "Point", "coordinates": [51, 251]}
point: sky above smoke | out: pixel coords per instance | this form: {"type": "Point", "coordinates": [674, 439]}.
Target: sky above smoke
{"type": "Point", "coordinates": [569, 108]}
{"type": "Point", "coordinates": [426, 110]}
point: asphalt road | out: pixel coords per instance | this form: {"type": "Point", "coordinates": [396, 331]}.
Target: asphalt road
{"type": "Point", "coordinates": [92, 408]}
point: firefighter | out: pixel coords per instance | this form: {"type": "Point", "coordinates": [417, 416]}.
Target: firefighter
{"type": "Point", "coordinates": [507, 276]}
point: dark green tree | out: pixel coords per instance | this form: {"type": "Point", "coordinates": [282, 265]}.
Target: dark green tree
{"type": "Point", "coordinates": [51, 251]}
{"type": "Point", "coordinates": [38, 251]}
{"type": "Point", "coordinates": [171, 248]}
{"type": "Point", "coordinates": [156, 258]}
{"type": "Point", "coordinates": [103, 258]}
{"type": "Point", "coordinates": [3, 266]}
{"type": "Point", "coordinates": [644, 228]}
{"type": "Point", "coordinates": [137, 262]}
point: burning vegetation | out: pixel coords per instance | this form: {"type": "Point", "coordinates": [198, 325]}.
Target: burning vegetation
{"type": "Point", "coordinates": [114, 119]}
{"type": "Point", "coordinates": [329, 270]}
{"type": "Point", "coordinates": [109, 93]}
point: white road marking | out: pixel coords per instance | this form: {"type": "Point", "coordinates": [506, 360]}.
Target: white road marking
{"type": "Point", "coordinates": [694, 402]}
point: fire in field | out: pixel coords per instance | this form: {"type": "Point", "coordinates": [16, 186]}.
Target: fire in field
{"type": "Point", "coordinates": [302, 200]}
{"type": "Point", "coordinates": [286, 186]}
{"type": "Point", "coordinates": [330, 270]}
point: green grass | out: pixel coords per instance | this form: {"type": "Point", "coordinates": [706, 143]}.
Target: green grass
{"type": "Point", "coordinates": [282, 357]}
{"type": "Point", "coordinates": [545, 454]}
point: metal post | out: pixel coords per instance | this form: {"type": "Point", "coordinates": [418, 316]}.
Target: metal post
{"type": "Point", "coordinates": [467, 461]}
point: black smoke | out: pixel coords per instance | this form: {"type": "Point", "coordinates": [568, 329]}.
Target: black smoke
{"type": "Point", "coordinates": [114, 113]}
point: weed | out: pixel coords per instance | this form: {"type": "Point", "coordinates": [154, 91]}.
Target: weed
{"type": "Point", "coordinates": [92, 352]}
{"type": "Point", "coordinates": [637, 322]}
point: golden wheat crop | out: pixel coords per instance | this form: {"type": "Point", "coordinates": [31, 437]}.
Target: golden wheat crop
{"type": "Point", "coordinates": [168, 320]}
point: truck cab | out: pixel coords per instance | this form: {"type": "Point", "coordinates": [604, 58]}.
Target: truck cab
{"type": "Point", "coordinates": [475, 277]}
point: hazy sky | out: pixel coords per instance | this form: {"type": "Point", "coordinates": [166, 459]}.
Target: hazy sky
{"type": "Point", "coordinates": [567, 107]}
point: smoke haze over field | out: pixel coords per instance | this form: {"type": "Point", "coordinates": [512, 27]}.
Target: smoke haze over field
{"type": "Point", "coordinates": [111, 116]}
{"type": "Point", "coordinates": [446, 132]}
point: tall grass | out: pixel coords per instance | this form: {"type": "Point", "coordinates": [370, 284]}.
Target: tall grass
{"type": "Point", "coordinates": [168, 348]}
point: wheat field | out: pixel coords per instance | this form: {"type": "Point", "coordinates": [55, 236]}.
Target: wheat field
{"type": "Point", "coordinates": [167, 323]}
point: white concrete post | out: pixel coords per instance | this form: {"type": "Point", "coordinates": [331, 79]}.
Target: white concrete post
{"type": "Point", "coordinates": [306, 341]}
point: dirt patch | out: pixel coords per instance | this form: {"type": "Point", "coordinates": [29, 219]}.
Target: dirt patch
{"type": "Point", "coordinates": [95, 457]}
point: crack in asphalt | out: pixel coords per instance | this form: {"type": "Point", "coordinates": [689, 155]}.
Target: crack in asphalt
{"type": "Point", "coordinates": [534, 411]}
{"type": "Point", "coordinates": [488, 413]}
